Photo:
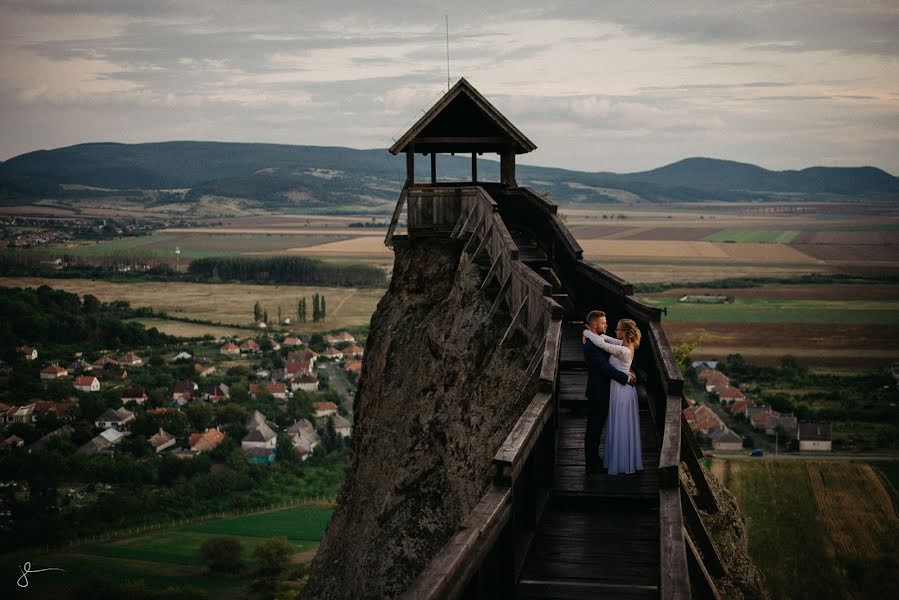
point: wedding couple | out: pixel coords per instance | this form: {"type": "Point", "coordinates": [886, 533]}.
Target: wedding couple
{"type": "Point", "coordinates": [612, 397]}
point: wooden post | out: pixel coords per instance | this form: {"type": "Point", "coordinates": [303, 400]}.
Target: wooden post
{"type": "Point", "coordinates": [474, 167]}
{"type": "Point", "coordinates": [410, 165]}
{"type": "Point", "coordinates": [433, 168]}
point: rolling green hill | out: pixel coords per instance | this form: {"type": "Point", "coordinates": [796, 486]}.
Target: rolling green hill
{"type": "Point", "coordinates": [331, 178]}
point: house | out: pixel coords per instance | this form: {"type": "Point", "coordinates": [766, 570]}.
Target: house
{"type": "Point", "coordinates": [206, 441]}
{"type": "Point", "coordinates": [87, 383]}
{"type": "Point", "coordinates": [21, 414]}
{"type": "Point", "coordinates": [183, 390]}
{"type": "Point", "coordinates": [249, 347]}
{"type": "Point", "coordinates": [263, 374]}
{"type": "Point", "coordinates": [343, 336]}
{"type": "Point", "coordinates": [230, 349]}
{"type": "Point", "coordinates": [308, 382]}
{"type": "Point", "coordinates": [353, 366]}
{"type": "Point", "coordinates": [815, 437]}
{"type": "Point", "coordinates": [54, 371]}
{"type": "Point", "coordinates": [305, 355]}
{"type": "Point", "coordinates": [261, 436]}
{"type": "Point", "coordinates": [713, 378]}
{"type": "Point", "coordinates": [103, 443]}
{"type": "Point", "coordinates": [62, 410]}
{"type": "Point", "coordinates": [261, 325]}
{"type": "Point", "coordinates": [353, 351]}
{"type": "Point", "coordinates": [702, 418]}
{"type": "Point", "coordinates": [723, 438]}
{"type": "Point", "coordinates": [136, 395]}
{"type": "Point", "coordinates": [161, 440]}
{"type": "Point", "coordinates": [277, 390]}
{"type": "Point", "coordinates": [294, 368]}
{"type": "Point", "coordinates": [342, 426]}
{"type": "Point", "coordinates": [27, 352]}
{"type": "Point", "coordinates": [254, 419]}
{"type": "Point", "coordinates": [303, 437]}
{"type": "Point", "coordinates": [117, 418]}
{"type": "Point", "coordinates": [275, 345]}
{"type": "Point", "coordinates": [131, 359]}
{"type": "Point", "coordinates": [65, 430]}
{"type": "Point", "coordinates": [278, 375]}
{"type": "Point", "coordinates": [758, 416]}
{"type": "Point", "coordinates": [332, 354]}
{"type": "Point", "coordinates": [185, 356]}
{"type": "Point", "coordinates": [104, 362]}
{"type": "Point", "coordinates": [204, 370]}
{"type": "Point", "coordinates": [216, 392]}
{"type": "Point", "coordinates": [700, 365]}
{"type": "Point", "coordinates": [13, 441]}
{"type": "Point", "coordinates": [80, 366]}
{"type": "Point", "coordinates": [324, 409]}
{"type": "Point", "coordinates": [739, 407]}
{"type": "Point", "coordinates": [292, 342]}
{"type": "Point", "coordinates": [727, 394]}
{"type": "Point", "coordinates": [775, 420]}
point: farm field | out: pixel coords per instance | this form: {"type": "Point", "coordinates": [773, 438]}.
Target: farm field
{"type": "Point", "coordinates": [224, 303]}
{"type": "Point", "coordinates": [819, 529]}
{"type": "Point", "coordinates": [171, 557]}
{"type": "Point", "coordinates": [764, 236]}
{"type": "Point", "coordinates": [759, 310]}
{"type": "Point", "coordinates": [182, 329]}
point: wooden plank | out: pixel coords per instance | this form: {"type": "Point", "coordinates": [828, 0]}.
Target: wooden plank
{"type": "Point", "coordinates": [447, 575]}
{"type": "Point", "coordinates": [474, 233]}
{"type": "Point", "coordinates": [693, 520]}
{"type": "Point", "coordinates": [551, 353]}
{"type": "Point", "coordinates": [516, 448]}
{"type": "Point", "coordinates": [605, 279]}
{"type": "Point", "coordinates": [699, 576]}
{"type": "Point", "coordinates": [674, 579]}
{"type": "Point", "coordinates": [707, 499]}
{"type": "Point", "coordinates": [489, 275]}
{"type": "Point", "coordinates": [671, 375]}
{"type": "Point", "coordinates": [535, 362]}
{"type": "Point", "coordinates": [669, 455]}
{"type": "Point", "coordinates": [396, 216]}
{"type": "Point", "coordinates": [514, 322]}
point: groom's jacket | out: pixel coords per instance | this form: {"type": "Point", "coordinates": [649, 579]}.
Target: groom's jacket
{"type": "Point", "coordinates": [600, 373]}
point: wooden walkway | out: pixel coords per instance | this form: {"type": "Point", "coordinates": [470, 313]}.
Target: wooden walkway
{"type": "Point", "coordinates": [598, 536]}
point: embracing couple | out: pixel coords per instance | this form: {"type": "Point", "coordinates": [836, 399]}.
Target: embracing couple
{"type": "Point", "coordinates": [612, 397]}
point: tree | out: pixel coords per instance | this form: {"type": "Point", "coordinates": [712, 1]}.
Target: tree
{"type": "Point", "coordinates": [322, 307]}
{"type": "Point", "coordinates": [300, 310]}
{"type": "Point", "coordinates": [200, 415]}
{"type": "Point", "coordinates": [257, 312]}
{"type": "Point", "coordinates": [279, 314]}
{"type": "Point", "coordinates": [316, 309]}
{"type": "Point", "coordinates": [683, 350]}
{"type": "Point", "coordinates": [272, 558]}
{"type": "Point", "coordinates": [265, 316]}
{"type": "Point", "coordinates": [222, 554]}
{"type": "Point", "coordinates": [284, 451]}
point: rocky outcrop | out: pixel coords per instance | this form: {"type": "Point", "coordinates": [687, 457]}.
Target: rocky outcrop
{"type": "Point", "coordinates": [436, 399]}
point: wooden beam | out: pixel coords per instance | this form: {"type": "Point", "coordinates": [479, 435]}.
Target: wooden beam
{"type": "Point", "coordinates": [457, 233]}
{"type": "Point", "coordinates": [474, 167]}
{"type": "Point", "coordinates": [433, 168]}
{"type": "Point", "coordinates": [674, 577]}
{"type": "Point", "coordinates": [421, 141]}
{"type": "Point", "coordinates": [515, 450]}
{"type": "Point", "coordinates": [693, 522]}
{"type": "Point", "coordinates": [474, 234]}
{"type": "Point", "coordinates": [514, 322]}
{"type": "Point", "coordinates": [706, 496]}
{"type": "Point", "coordinates": [502, 291]}
{"type": "Point", "coordinates": [488, 228]}
{"type": "Point", "coordinates": [388, 239]}
{"type": "Point", "coordinates": [490, 272]}
{"type": "Point", "coordinates": [699, 577]}
{"type": "Point", "coordinates": [670, 453]}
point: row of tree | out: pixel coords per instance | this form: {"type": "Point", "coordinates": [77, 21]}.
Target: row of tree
{"type": "Point", "coordinates": [286, 269]}
{"type": "Point", "coordinates": [319, 310]}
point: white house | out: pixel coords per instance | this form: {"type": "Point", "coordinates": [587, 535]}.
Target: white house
{"type": "Point", "coordinates": [54, 371]}
{"type": "Point", "coordinates": [815, 437]}
{"type": "Point", "coordinates": [262, 436]}
{"type": "Point", "coordinates": [117, 418]}
{"type": "Point", "coordinates": [87, 383]}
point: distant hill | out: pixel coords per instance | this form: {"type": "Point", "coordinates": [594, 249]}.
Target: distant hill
{"type": "Point", "coordinates": [318, 178]}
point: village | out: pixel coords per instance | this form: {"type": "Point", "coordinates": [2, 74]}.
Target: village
{"type": "Point", "coordinates": [729, 408]}
{"type": "Point", "coordinates": [220, 380]}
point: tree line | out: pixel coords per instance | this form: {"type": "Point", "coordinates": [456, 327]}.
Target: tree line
{"type": "Point", "coordinates": [286, 269]}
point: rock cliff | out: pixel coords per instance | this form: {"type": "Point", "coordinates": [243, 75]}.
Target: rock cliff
{"type": "Point", "coordinates": [436, 399]}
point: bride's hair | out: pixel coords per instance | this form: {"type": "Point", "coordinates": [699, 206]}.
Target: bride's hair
{"type": "Point", "coordinates": [630, 332]}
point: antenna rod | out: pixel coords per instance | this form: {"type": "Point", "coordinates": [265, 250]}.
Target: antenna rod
{"type": "Point", "coordinates": [447, 53]}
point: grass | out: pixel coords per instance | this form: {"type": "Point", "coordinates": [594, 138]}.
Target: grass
{"type": "Point", "coordinates": [170, 557]}
{"type": "Point", "coordinates": [818, 529]}
{"type": "Point", "coordinates": [755, 310]}
{"type": "Point", "coordinates": [764, 236]}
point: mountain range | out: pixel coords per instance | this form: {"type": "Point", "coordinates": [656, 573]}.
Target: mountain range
{"type": "Point", "coordinates": [321, 179]}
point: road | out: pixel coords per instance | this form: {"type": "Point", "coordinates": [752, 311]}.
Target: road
{"type": "Point", "coordinates": [338, 381]}
{"type": "Point", "coordinates": [809, 456]}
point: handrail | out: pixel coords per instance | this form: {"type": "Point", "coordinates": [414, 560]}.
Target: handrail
{"type": "Point", "coordinates": [388, 239]}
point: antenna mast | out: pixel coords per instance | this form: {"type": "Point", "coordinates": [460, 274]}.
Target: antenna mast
{"type": "Point", "coordinates": [447, 53]}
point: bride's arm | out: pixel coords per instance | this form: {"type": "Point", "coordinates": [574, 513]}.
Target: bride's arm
{"type": "Point", "coordinates": [616, 350]}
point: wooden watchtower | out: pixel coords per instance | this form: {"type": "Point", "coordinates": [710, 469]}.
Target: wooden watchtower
{"type": "Point", "coordinates": [461, 122]}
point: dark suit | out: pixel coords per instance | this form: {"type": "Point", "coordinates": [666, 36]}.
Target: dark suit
{"type": "Point", "coordinates": [599, 377]}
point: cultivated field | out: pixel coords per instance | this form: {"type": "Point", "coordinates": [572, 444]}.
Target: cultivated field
{"type": "Point", "coordinates": [819, 529]}
{"type": "Point", "coordinates": [170, 557]}
{"type": "Point", "coordinates": [224, 303]}
{"type": "Point", "coordinates": [182, 329]}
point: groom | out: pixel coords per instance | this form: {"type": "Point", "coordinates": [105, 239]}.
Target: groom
{"type": "Point", "coordinates": [599, 377]}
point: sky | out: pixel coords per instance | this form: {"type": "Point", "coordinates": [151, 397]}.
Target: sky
{"type": "Point", "coordinates": [596, 85]}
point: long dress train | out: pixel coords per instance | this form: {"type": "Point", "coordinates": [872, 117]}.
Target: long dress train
{"type": "Point", "coordinates": [623, 454]}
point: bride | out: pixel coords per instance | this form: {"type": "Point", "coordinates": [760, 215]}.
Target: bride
{"type": "Point", "coordinates": [622, 449]}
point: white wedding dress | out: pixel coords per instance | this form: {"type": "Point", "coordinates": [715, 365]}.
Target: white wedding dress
{"type": "Point", "coordinates": [623, 454]}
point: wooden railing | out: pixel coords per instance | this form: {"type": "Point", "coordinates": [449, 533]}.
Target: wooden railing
{"type": "Point", "coordinates": [480, 555]}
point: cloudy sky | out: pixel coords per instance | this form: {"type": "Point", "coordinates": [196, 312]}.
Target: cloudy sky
{"type": "Point", "coordinates": [597, 85]}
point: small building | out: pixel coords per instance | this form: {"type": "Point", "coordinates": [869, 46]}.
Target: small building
{"type": "Point", "coordinates": [204, 370]}
{"type": "Point", "coordinates": [186, 356]}
{"type": "Point", "coordinates": [342, 426]}
{"type": "Point", "coordinates": [63, 410]}
{"type": "Point", "coordinates": [713, 378]}
{"type": "Point", "coordinates": [206, 441]}
{"type": "Point", "coordinates": [184, 391]}
{"type": "Point", "coordinates": [353, 366]}
{"type": "Point", "coordinates": [725, 439]}
{"type": "Point", "coordinates": [292, 342]}
{"type": "Point", "coordinates": [303, 437]}
{"type": "Point", "coordinates": [130, 359]}
{"type": "Point", "coordinates": [308, 382]}
{"type": "Point", "coordinates": [103, 443]}
{"type": "Point", "coordinates": [776, 420]}
{"type": "Point", "coordinates": [79, 366]}
{"type": "Point", "coordinates": [295, 368]}
{"type": "Point", "coordinates": [161, 440]}
{"type": "Point", "coordinates": [815, 437]}
{"type": "Point", "coordinates": [727, 394]}
{"type": "Point", "coordinates": [275, 344]}
{"type": "Point", "coordinates": [261, 325]}
{"type": "Point", "coordinates": [52, 372]}
{"type": "Point", "coordinates": [305, 355]}
{"type": "Point", "coordinates": [87, 383]}
{"type": "Point", "coordinates": [27, 352]}
{"type": "Point", "coordinates": [324, 409]}
{"type": "Point", "coordinates": [254, 420]}
{"type": "Point", "coordinates": [13, 441]}
{"type": "Point", "coordinates": [702, 418]}
{"type": "Point", "coordinates": [249, 347]}
{"type": "Point", "coordinates": [118, 418]}
{"type": "Point", "coordinates": [230, 349]}
{"type": "Point", "coordinates": [739, 407]}
{"type": "Point", "coordinates": [104, 362]}
{"type": "Point", "coordinates": [341, 337]}
{"type": "Point", "coordinates": [332, 354]}
{"type": "Point", "coordinates": [132, 394]}
{"type": "Point", "coordinates": [354, 351]}
{"type": "Point", "coordinates": [64, 431]}
{"type": "Point", "coordinates": [277, 390]}
{"type": "Point", "coordinates": [261, 436]}
{"type": "Point", "coordinates": [216, 392]}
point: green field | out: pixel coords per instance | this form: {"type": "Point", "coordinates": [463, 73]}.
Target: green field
{"type": "Point", "coordinates": [171, 557]}
{"type": "Point", "coordinates": [763, 236]}
{"type": "Point", "coordinates": [754, 310]}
